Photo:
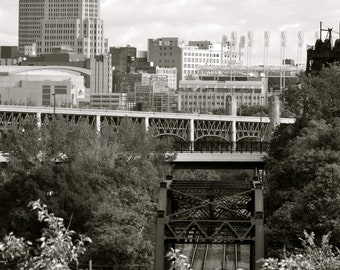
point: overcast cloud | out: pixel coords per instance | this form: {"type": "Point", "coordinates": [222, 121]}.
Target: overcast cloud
{"type": "Point", "coordinates": [134, 21]}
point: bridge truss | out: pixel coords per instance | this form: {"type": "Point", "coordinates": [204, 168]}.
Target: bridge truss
{"type": "Point", "coordinates": [184, 128]}
{"type": "Point", "coordinates": [210, 215]}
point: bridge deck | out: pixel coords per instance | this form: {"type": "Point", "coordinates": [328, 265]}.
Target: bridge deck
{"type": "Point", "coordinates": [215, 160]}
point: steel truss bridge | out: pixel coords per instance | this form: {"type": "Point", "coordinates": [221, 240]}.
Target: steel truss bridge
{"type": "Point", "coordinates": [216, 224]}
{"type": "Point", "coordinates": [199, 138]}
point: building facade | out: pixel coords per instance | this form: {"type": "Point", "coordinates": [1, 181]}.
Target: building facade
{"type": "Point", "coordinates": [7, 52]}
{"type": "Point", "coordinates": [46, 24]}
{"type": "Point", "coordinates": [202, 54]}
{"type": "Point", "coordinates": [111, 101]}
{"type": "Point", "coordinates": [171, 74]}
{"type": "Point", "coordinates": [41, 86]}
{"type": "Point", "coordinates": [189, 57]}
{"type": "Point", "coordinates": [100, 78]}
{"type": "Point", "coordinates": [206, 96]}
{"type": "Point", "coordinates": [122, 58]}
{"type": "Point", "coordinates": [166, 53]}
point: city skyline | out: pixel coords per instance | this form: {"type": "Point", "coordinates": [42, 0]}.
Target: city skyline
{"type": "Point", "coordinates": [133, 22]}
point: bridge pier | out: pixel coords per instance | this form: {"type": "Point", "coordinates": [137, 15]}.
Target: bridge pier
{"type": "Point", "coordinates": [147, 123]}
{"type": "Point", "coordinates": [232, 105]}
{"type": "Point", "coordinates": [259, 227]}
{"type": "Point", "coordinates": [38, 117]}
{"type": "Point", "coordinates": [192, 134]}
{"type": "Point", "coordinates": [98, 123]}
{"type": "Point", "coordinates": [233, 134]}
{"type": "Point", "coordinates": [274, 114]}
{"type": "Point", "coordinates": [160, 227]}
{"type": "Point", "coordinates": [232, 110]}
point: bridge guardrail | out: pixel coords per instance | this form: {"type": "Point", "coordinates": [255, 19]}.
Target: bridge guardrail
{"type": "Point", "coordinates": [223, 147]}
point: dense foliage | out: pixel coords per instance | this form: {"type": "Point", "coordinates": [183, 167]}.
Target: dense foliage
{"type": "Point", "coordinates": [310, 257]}
{"type": "Point", "coordinates": [55, 249]}
{"type": "Point", "coordinates": [303, 167]}
{"type": "Point", "coordinates": [103, 185]}
{"type": "Point", "coordinates": [245, 110]}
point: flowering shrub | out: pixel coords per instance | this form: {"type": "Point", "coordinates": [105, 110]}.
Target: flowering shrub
{"type": "Point", "coordinates": [178, 260]}
{"type": "Point", "coordinates": [55, 251]}
{"type": "Point", "coordinates": [311, 257]}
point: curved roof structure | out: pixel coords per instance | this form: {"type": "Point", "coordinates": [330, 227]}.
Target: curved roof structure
{"type": "Point", "coordinates": [252, 71]}
{"type": "Point", "coordinates": [10, 70]}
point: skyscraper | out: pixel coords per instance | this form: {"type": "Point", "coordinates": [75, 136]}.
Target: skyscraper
{"type": "Point", "coordinates": [49, 24]}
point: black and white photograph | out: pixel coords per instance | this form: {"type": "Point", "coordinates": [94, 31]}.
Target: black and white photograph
{"type": "Point", "coordinates": [169, 135]}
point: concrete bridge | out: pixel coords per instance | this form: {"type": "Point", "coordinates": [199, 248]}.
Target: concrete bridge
{"type": "Point", "coordinates": [199, 138]}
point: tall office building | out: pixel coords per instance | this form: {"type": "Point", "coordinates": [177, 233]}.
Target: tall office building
{"type": "Point", "coordinates": [48, 24]}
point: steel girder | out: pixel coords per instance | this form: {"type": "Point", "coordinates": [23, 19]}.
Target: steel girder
{"type": "Point", "coordinates": [115, 121]}
{"type": "Point", "coordinates": [207, 129]}
{"type": "Point", "coordinates": [9, 118]}
{"type": "Point", "coordinates": [174, 127]}
{"type": "Point", "coordinates": [73, 118]}
{"type": "Point", "coordinates": [161, 126]}
{"type": "Point", "coordinates": [209, 212]}
{"type": "Point", "coordinates": [251, 130]}
{"type": "Point", "coordinates": [220, 129]}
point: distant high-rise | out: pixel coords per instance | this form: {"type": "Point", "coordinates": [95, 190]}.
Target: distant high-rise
{"type": "Point", "coordinates": [49, 24]}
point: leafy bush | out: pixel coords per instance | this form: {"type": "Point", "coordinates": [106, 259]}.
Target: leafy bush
{"type": "Point", "coordinates": [310, 257]}
{"type": "Point", "coordinates": [178, 260]}
{"type": "Point", "coordinates": [55, 251]}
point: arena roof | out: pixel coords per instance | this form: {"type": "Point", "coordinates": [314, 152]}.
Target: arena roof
{"type": "Point", "coordinates": [251, 71]}
{"type": "Point", "coordinates": [10, 70]}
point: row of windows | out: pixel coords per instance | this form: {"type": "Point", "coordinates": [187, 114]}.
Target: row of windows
{"type": "Point", "coordinates": [202, 54]}
{"type": "Point", "coordinates": [75, 5]}
{"type": "Point", "coordinates": [164, 54]}
{"type": "Point", "coordinates": [162, 71]}
{"type": "Point", "coordinates": [193, 96]}
{"type": "Point", "coordinates": [201, 60]}
{"type": "Point", "coordinates": [94, 25]}
{"type": "Point", "coordinates": [195, 65]}
{"type": "Point", "coordinates": [167, 61]}
{"type": "Point", "coordinates": [60, 25]}
{"type": "Point", "coordinates": [35, 17]}
{"type": "Point", "coordinates": [193, 104]}
{"type": "Point", "coordinates": [65, 31]}
{"type": "Point", "coordinates": [164, 48]}
{"type": "Point", "coordinates": [186, 72]}
{"type": "Point", "coordinates": [91, 32]}
{"type": "Point", "coordinates": [68, 10]}
{"type": "Point", "coordinates": [56, 43]}
{"type": "Point", "coordinates": [203, 103]}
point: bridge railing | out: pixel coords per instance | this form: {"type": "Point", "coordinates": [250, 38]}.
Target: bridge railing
{"type": "Point", "coordinates": [223, 147]}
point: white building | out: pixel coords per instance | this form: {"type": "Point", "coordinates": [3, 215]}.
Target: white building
{"type": "Point", "coordinates": [42, 85]}
{"type": "Point", "coordinates": [215, 54]}
{"type": "Point", "coordinates": [171, 74]}
{"type": "Point", "coordinates": [205, 96]}
{"type": "Point", "coordinates": [58, 23]}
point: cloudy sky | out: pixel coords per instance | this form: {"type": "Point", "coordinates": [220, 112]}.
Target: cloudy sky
{"type": "Point", "coordinates": [134, 21]}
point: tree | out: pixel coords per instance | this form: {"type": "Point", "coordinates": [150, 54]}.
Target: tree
{"type": "Point", "coordinates": [315, 97]}
{"type": "Point", "coordinates": [303, 163]}
{"type": "Point", "coordinates": [56, 248]}
{"type": "Point", "coordinates": [123, 224]}
{"type": "Point", "coordinates": [310, 256]}
{"type": "Point", "coordinates": [88, 175]}
{"type": "Point", "coordinates": [245, 110]}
